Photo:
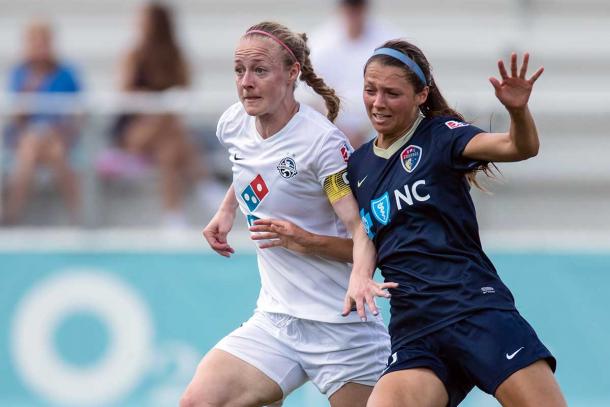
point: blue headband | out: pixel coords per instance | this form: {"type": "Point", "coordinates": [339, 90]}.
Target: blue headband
{"type": "Point", "coordinates": [404, 59]}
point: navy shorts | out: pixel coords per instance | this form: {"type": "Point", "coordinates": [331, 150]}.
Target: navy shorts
{"type": "Point", "coordinates": [482, 350]}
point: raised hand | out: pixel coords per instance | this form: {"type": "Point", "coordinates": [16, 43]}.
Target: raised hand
{"type": "Point", "coordinates": [514, 91]}
{"type": "Point", "coordinates": [362, 291]}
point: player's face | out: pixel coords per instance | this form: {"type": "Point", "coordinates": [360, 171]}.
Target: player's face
{"type": "Point", "coordinates": [390, 99]}
{"type": "Point", "coordinates": [262, 80]}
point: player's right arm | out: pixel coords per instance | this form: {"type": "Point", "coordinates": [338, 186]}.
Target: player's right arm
{"type": "Point", "coordinates": [220, 225]}
{"type": "Point", "coordinates": [362, 289]}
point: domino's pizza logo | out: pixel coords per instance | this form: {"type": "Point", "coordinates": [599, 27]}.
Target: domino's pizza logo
{"type": "Point", "coordinates": [367, 222]}
{"type": "Point", "coordinates": [410, 157]}
{"type": "Point", "coordinates": [254, 193]}
{"type": "Point", "coordinates": [452, 124]}
{"type": "Point", "coordinates": [287, 167]}
{"type": "Point", "coordinates": [250, 219]}
{"type": "Point", "coordinates": [381, 208]}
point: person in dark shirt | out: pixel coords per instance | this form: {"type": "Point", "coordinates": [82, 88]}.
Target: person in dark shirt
{"type": "Point", "coordinates": [453, 323]}
{"type": "Point", "coordinates": [157, 64]}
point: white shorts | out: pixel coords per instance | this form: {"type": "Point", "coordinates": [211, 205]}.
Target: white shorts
{"type": "Point", "coordinates": [291, 351]}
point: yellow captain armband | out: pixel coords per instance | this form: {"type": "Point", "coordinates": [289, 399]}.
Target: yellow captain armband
{"type": "Point", "coordinates": [336, 186]}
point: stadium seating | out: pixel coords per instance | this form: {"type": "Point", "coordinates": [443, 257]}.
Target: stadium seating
{"type": "Point", "coordinates": [462, 40]}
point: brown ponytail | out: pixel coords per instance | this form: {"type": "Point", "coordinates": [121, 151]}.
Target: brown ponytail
{"type": "Point", "coordinates": [318, 85]}
{"type": "Point", "coordinates": [300, 50]}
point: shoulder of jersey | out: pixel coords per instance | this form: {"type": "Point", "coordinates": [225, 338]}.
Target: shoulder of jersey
{"type": "Point", "coordinates": [360, 151]}
{"type": "Point", "coordinates": [317, 121]}
{"type": "Point", "coordinates": [232, 117]}
{"type": "Point", "coordinates": [449, 123]}
{"type": "Point", "coordinates": [234, 111]}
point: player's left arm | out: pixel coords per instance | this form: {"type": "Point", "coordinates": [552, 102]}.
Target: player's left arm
{"type": "Point", "coordinates": [283, 233]}
{"type": "Point", "coordinates": [276, 232]}
{"type": "Point", "coordinates": [521, 141]}
{"type": "Point", "coordinates": [362, 289]}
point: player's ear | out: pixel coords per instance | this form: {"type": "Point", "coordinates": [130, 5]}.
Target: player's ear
{"type": "Point", "coordinates": [422, 96]}
{"type": "Point", "coordinates": [294, 71]}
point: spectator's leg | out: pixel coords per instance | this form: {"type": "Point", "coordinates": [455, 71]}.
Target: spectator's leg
{"type": "Point", "coordinates": [27, 157]}
{"type": "Point", "coordinates": [172, 153]}
{"type": "Point", "coordinates": [163, 137]}
{"type": "Point", "coordinates": [141, 134]}
{"type": "Point", "coordinates": [56, 156]}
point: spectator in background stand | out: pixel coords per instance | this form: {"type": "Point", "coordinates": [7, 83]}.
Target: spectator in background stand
{"type": "Point", "coordinates": [41, 138]}
{"type": "Point", "coordinates": [339, 50]}
{"type": "Point", "coordinates": [157, 64]}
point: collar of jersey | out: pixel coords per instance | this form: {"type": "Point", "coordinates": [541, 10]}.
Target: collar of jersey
{"type": "Point", "coordinates": [289, 125]}
{"type": "Point", "coordinates": [395, 146]}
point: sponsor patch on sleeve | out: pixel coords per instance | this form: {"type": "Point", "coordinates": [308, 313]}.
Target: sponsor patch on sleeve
{"type": "Point", "coordinates": [336, 186]}
{"type": "Point", "coordinates": [452, 124]}
{"type": "Point", "coordinates": [345, 152]}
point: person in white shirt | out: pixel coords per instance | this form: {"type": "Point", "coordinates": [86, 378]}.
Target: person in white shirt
{"type": "Point", "coordinates": [339, 49]}
{"type": "Point", "coordinates": [289, 167]}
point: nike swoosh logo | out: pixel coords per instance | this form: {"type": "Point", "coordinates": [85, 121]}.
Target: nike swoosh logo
{"type": "Point", "coordinates": [394, 360]}
{"type": "Point", "coordinates": [512, 355]}
{"type": "Point", "coordinates": [360, 182]}
{"type": "Point", "coordinates": [236, 158]}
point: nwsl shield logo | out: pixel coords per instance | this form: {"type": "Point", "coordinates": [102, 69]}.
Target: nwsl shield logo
{"type": "Point", "coordinates": [410, 157]}
{"type": "Point", "coordinates": [381, 208]}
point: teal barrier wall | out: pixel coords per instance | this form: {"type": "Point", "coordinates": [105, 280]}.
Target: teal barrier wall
{"type": "Point", "coordinates": [128, 329]}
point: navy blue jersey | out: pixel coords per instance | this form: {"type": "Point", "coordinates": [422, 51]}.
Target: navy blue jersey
{"type": "Point", "coordinates": [415, 203]}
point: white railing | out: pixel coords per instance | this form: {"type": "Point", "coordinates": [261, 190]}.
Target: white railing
{"type": "Point", "coordinates": [205, 108]}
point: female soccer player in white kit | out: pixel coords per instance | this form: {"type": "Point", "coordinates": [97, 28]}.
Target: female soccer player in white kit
{"type": "Point", "coordinates": [289, 162]}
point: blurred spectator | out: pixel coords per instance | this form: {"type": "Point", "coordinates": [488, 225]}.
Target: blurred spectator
{"type": "Point", "coordinates": [339, 50]}
{"type": "Point", "coordinates": [40, 138]}
{"type": "Point", "coordinates": [157, 64]}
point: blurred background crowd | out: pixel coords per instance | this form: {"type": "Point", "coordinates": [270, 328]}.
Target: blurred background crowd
{"type": "Point", "coordinates": [108, 110]}
{"type": "Point", "coordinates": [145, 139]}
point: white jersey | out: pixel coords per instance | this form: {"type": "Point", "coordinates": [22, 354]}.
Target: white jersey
{"type": "Point", "coordinates": [282, 177]}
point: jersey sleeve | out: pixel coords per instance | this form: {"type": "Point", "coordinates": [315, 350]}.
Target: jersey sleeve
{"type": "Point", "coordinates": [452, 136]}
{"type": "Point", "coordinates": [332, 156]}
{"type": "Point", "coordinates": [351, 171]}
{"type": "Point", "coordinates": [220, 128]}
{"type": "Point", "coordinates": [225, 119]}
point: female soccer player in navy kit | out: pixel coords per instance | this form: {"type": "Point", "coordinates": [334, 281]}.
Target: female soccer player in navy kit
{"type": "Point", "coordinates": [453, 322]}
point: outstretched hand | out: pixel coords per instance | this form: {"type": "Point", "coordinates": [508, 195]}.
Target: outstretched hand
{"type": "Point", "coordinates": [514, 91]}
{"type": "Point", "coordinates": [280, 233]}
{"type": "Point", "coordinates": [361, 292]}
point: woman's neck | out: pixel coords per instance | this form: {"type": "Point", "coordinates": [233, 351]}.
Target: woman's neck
{"type": "Point", "coordinates": [41, 67]}
{"type": "Point", "coordinates": [270, 123]}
